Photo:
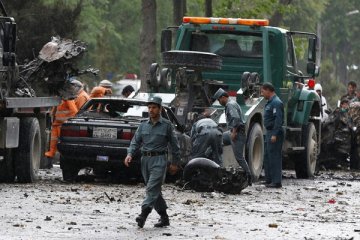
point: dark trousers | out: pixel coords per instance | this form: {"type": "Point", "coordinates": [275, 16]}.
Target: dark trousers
{"type": "Point", "coordinates": [238, 146]}
{"type": "Point", "coordinates": [273, 158]}
{"type": "Point", "coordinates": [153, 170]}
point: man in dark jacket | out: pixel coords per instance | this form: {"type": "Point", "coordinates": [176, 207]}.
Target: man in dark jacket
{"type": "Point", "coordinates": [236, 134]}
{"type": "Point", "coordinates": [273, 121]}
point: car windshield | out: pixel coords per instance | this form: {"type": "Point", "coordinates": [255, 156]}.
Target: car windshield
{"type": "Point", "coordinates": [114, 109]}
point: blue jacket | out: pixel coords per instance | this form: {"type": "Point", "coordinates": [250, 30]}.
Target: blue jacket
{"type": "Point", "coordinates": [274, 116]}
{"type": "Point", "coordinates": [233, 115]}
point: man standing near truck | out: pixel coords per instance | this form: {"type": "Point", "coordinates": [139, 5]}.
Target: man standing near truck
{"type": "Point", "coordinates": [153, 137]}
{"type": "Point", "coordinates": [236, 135]}
{"type": "Point", "coordinates": [273, 121]}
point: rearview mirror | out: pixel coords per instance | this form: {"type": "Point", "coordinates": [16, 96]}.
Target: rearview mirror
{"type": "Point", "coordinates": [166, 40]}
{"type": "Point", "coordinates": [312, 50]}
{"type": "Point", "coordinates": [310, 68]}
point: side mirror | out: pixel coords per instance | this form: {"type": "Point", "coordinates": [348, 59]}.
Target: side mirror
{"type": "Point", "coordinates": [166, 40]}
{"type": "Point", "coordinates": [310, 68]}
{"type": "Point", "coordinates": [312, 50]}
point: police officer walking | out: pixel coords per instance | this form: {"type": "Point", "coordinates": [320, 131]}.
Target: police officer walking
{"type": "Point", "coordinates": [273, 121]}
{"type": "Point", "coordinates": [236, 135]}
{"type": "Point", "coordinates": [206, 139]}
{"type": "Point", "coordinates": [153, 137]}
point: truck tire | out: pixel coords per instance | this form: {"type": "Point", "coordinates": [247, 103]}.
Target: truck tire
{"type": "Point", "coordinates": [7, 172]}
{"type": "Point", "coordinates": [69, 169]}
{"type": "Point", "coordinates": [192, 60]}
{"type": "Point", "coordinates": [255, 150]}
{"type": "Point", "coordinates": [165, 78]}
{"type": "Point", "coordinates": [27, 156]}
{"type": "Point", "coordinates": [355, 158]}
{"type": "Point", "coordinates": [305, 163]}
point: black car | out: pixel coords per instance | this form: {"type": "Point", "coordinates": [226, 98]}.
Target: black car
{"type": "Point", "coordinates": [99, 135]}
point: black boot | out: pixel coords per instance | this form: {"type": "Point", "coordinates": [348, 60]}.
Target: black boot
{"type": "Point", "coordinates": [163, 221]}
{"type": "Point", "coordinates": [142, 217]}
{"type": "Point", "coordinates": [249, 179]}
{"type": "Point", "coordinates": [49, 162]}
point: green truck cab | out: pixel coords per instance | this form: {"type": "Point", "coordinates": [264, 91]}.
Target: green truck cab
{"type": "Point", "coordinates": [240, 54]}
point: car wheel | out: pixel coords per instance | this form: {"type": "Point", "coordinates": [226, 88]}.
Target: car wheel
{"type": "Point", "coordinates": [305, 162]}
{"type": "Point", "coordinates": [192, 60]}
{"type": "Point", "coordinates": [28, 154]}
{"type": "Point", "coordinates": [255, 151]}
{"type": "Point", "coordinates": [69, 169]}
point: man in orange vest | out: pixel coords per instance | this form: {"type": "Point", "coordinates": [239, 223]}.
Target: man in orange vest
{"type": "Point", "coordinates": [61, 113]}
{"type": "Point", "coordinates": [103, 89]}
{"type": "Point", "coordinates": [82, 97]}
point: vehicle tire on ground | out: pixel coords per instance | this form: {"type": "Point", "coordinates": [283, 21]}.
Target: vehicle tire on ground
{"type": "Point", "coordinates": [69, 169]}
{"type": "Point", "coordinates": [255, 150]}
{"type": "Point", "coordinates": [7, 172]}
{"type": "Point", "coordinates": [201, 173]}
{"type": "Point", "coordinates": [305, 162]}
{"type": "Point", "coordinates": [28, 154]}
{"type": "Point", "coordinates": [191, 60]}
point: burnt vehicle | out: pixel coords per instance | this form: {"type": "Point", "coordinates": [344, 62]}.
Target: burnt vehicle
{"type": "Point", "coordinates": [99, 135]}
{"type": "Point", "coordinates": [341, 138]}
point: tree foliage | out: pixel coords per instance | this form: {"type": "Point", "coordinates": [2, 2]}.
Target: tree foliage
{"type": "Point", "coordinates": [37, 22]}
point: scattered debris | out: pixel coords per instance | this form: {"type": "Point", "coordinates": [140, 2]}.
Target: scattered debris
{"type": "Point", "coordinates": [273, 225]}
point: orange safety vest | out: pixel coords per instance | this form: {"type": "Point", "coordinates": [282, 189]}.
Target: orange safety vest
{"type": "Point", "coordinates": [81, 99]}
{"type": "Point", "coordinates": [64, 111]}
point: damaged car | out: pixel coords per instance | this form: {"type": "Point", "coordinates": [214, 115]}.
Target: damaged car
{"type": "Point", "coordinates": [99, 135]}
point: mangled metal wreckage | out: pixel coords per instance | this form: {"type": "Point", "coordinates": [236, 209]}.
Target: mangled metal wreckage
{"type": "Point", "coordinates": [204, 175]}
{"type": "Point", "coordinates": [48, 74]}
{"type": "Point", "coordinates": [341, 138]}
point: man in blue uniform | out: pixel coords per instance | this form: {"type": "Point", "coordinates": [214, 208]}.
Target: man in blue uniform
{"type": "Point", "coordinates": [273, 121]}
{"type": "Point", "coordinates": [153, 137]}
{"type": "Point", "coordinates": [236, 135]}
{"type": "Point", "coordinates": [206, 139]}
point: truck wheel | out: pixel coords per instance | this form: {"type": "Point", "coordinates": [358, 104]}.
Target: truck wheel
{"type": "Point", "coordinates": [7, 173]}
{"type": "Point", "coordinates": [355, 158]}
{"type": "Point", "coordinates": [69, 169]}
{"type": "Point", "coordinates": [255, 150]}
{"type": "Point", "coordinates": [305, 163]}
{"type": "Point", "coordinates": [28, 154]}
{"type": "Point", "coordinates": [165, 78]}
{"type": "Point", "coordinates": [192, 60]}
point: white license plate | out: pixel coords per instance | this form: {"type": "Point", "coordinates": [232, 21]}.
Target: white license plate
{"type": "Point", "coordinates": [101, 132]}
{"type": "Point", "coordinates": [102, 158]}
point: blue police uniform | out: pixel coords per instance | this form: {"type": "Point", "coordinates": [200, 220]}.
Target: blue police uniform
{"type": "Point", "coordinates": [153, 140]}
{"type": "Point", "coordinates": [273, 121]}
{"type": "Point", "coordinates": [234, 121]}
{"type": "Point", "coordinates": [206, 139]}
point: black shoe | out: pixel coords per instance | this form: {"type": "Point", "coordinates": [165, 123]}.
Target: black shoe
{"type": "Point", "coordinates": [49, 163]}
{"type": "Point", "coordinates": [249, 180]}
{"type": "Point", "coordinates": [274, 185]}
{"type": "Point", "coordinates": [141, 219]}
{"type": "Point", "coordinates": [265, 182]}
{"type": "Point", "coordinates": [163, 221]}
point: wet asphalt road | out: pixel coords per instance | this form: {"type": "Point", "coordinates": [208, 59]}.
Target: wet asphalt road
{"type": "Point", "coordinates": [327, 207]}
